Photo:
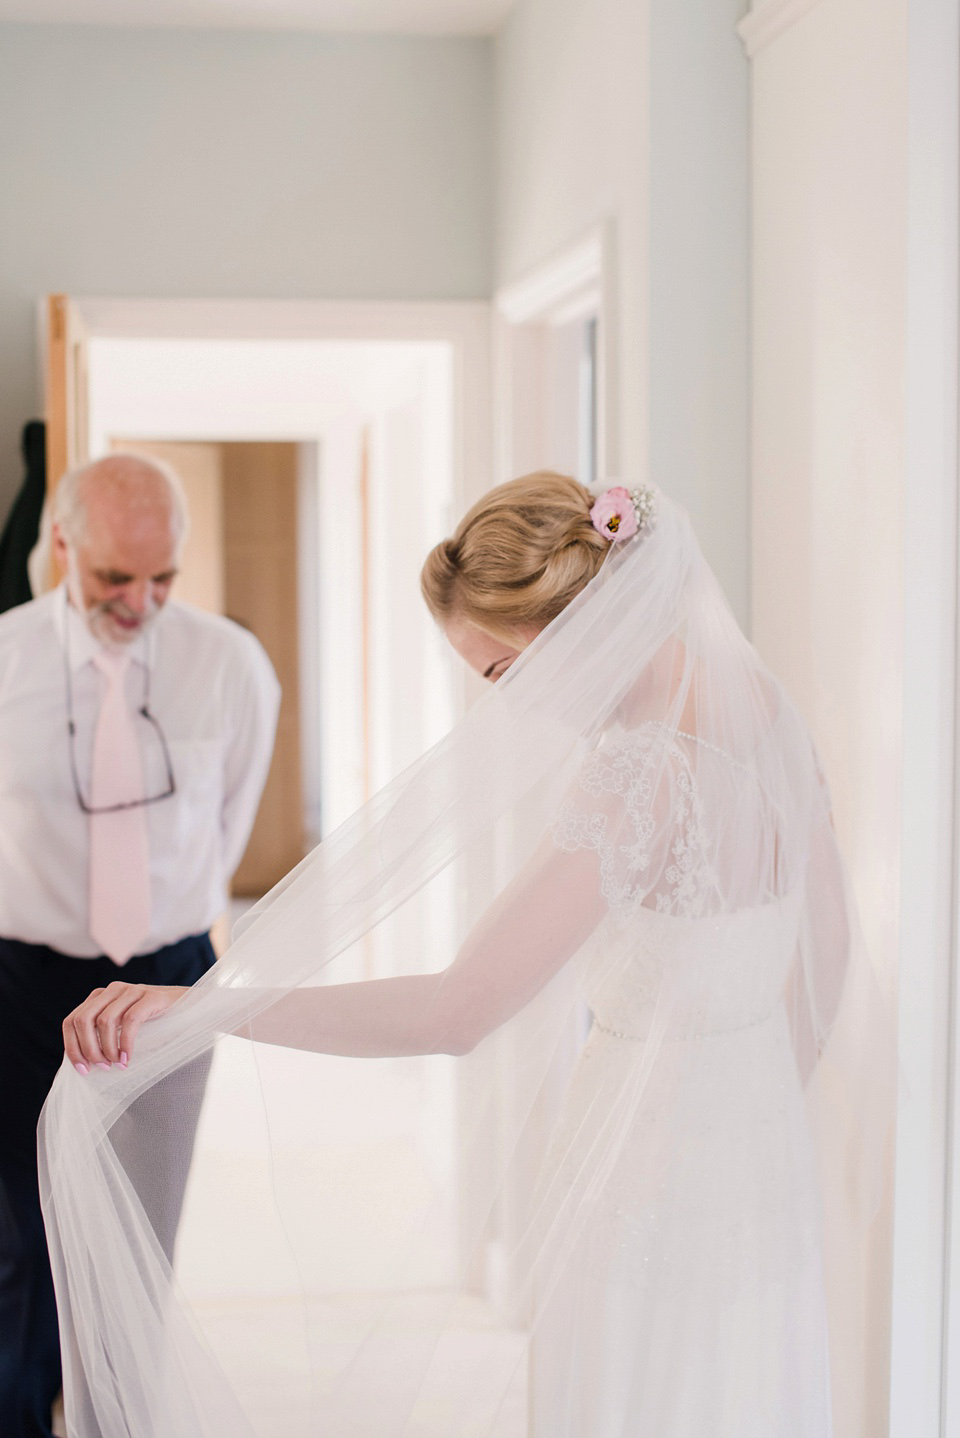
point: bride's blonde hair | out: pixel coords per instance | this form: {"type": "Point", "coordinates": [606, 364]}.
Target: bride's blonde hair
{"type": "Point", "coordinates": [517, 558]}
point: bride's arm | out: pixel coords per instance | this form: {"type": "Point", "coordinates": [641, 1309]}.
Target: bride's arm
{"type": "Point", "coordinates": [539, 921]}
{"type": "Point", "coordinates": [524, 938]}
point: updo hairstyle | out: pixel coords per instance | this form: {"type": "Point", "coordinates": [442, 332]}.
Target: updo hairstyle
{"type": "Point", "coordinates": [517, 558]}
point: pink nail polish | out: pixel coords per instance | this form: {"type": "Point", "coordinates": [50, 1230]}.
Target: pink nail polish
{"type": "Point", "coordinates": [123, 1059]}
{"type": "Point", "coordinates": [103, 1066]}
{"type": "Point", "coordinates": [82, 1069]}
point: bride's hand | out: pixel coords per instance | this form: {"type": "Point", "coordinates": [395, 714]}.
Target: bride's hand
{"type": "Point", "coordinates": [102, 1030]}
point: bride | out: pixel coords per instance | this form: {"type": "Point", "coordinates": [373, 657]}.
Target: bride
{"type": "Point", "coordinates": [662, 849]}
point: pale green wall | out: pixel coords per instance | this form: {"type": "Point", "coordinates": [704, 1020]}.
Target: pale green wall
{"type": "Point", "coordinates": [638, 110]}
{"type": "Point", "coordinates": [197, 163]}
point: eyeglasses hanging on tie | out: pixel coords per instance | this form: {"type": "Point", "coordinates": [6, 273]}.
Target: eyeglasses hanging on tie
{"type": "Point", "coordinates": [145, 712]}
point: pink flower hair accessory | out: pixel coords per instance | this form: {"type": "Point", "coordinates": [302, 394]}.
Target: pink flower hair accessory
{"type": "Point", "coordinates": [620, 513]}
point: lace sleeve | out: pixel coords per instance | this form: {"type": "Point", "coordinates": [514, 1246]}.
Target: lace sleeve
{"type": "Point", "coordinates": [636, 803]}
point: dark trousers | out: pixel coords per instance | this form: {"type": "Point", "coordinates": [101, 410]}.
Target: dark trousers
{"type": "Point", "coordinates": [38, 988]}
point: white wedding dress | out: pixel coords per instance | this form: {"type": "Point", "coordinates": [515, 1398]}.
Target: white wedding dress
{"type": "Point", "coordinates": [635, 811]}
{"type": "Point", "coordinates": [690, 1301]}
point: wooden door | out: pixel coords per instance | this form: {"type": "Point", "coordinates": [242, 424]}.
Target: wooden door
{"type": "Point", "coordinates": [200, 579]}
{"type": "Point", "coordinates": [261, 593]}
{"type": "Point", "coordinates": [241, 560]}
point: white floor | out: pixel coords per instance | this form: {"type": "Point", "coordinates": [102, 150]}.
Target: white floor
{"type": "Point", "coordinates": [340, 1166]}
{"type": "Point", "coordinates": [264, 1347]}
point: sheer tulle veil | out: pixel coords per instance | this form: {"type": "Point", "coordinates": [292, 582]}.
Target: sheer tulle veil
{"type": "Point", "coordinates": [372, 1247]}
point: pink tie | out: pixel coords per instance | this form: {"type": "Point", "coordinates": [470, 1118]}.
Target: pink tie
{"type": "Point", "coordinates": [119, 855]}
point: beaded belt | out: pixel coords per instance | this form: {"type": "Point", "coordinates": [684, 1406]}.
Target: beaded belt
{"type": "Point", "coordinates": [617, 1033]}
{"type": "Point", "coordinates": [709, 1034]}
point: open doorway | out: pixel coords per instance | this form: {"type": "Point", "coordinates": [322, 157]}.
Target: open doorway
{"type": "Point", "coordinates": [389, 406]}
{"type": "Point", "coordinates": [318, 475]}
{"type": "Point", "coordinates": [241, 560]}
{"type": "Point", "coordinates": [319, 472]}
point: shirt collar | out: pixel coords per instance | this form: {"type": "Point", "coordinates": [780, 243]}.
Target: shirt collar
{"type": "Point", "coordinates": [76, 637]}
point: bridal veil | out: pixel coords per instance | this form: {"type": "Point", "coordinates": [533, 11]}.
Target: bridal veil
{"type": "Point", "coordinates": [379, 1246]}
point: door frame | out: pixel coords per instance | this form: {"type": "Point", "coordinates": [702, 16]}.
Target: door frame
{"type": "Point", "coordinates": [925, 1349]}
{"type": "Point", "coordinates": [579, 282]}
{"type": "Point", "coordinates": [576, 283]}
{"type": "Point", "coordinates": [465, 325]}
{"type": "Point", "coordinates": [462, 325]}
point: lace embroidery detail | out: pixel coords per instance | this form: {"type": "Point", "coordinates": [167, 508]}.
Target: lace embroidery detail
{"type": "Point", "coordinates": [626, 769]}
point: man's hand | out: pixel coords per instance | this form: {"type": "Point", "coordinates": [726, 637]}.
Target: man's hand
{"type": "Point", "coordinates": [102, 1030]}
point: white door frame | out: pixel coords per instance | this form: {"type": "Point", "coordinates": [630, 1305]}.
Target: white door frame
{"type": "Point", "coordinates": [579, 282]}
{"type": "Point", "coordinates": [465, 325]}
{"type": "Point", "coordinates": [925, 1356]}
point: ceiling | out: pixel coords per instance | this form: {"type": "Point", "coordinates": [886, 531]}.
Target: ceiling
{"type": "Point", "coordinates": [410, 17]}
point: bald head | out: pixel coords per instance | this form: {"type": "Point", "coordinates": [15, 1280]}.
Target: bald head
{"type": "Point", "coordinates": [119, 489]}
{"type": "Point", "coordinates": [118, 527]}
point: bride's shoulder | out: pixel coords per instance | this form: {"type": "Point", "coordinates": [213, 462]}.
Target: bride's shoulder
{"type": "Point", "coordinates": [620, 745]}
{"type": "Point", "coordinates": [638, 742]}
{"type": "Point", "coordinates": [629, 763]}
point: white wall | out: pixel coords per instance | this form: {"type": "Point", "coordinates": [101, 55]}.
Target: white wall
{"type": "Point", "coordinates": [830, 192]}
{"type": "Point", "coordinates": [699, 277]}
{"type": "Point", "coordinates": [197, 163]}
{"type": "Point", "coordinates": [830, 203]}
{"type": "Point", "coordinates": [637, 110]}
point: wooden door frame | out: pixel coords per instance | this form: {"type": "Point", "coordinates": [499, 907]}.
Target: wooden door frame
{"type": "Point", "coordinates": [63, 335]}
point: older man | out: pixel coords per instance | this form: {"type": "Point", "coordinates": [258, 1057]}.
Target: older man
{"type": "Point", "coordinates": [135, 738]}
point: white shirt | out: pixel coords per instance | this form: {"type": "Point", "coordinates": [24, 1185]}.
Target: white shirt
{"type": "Point", "coordinates": [216, 697]}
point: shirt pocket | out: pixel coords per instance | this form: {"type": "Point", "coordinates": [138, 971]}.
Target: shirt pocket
{"type": "Point", "coordinates": [185, 829]}
{"type": "Point", "coordinates": [190, 819]}
{"type": "Point", "coordinates": [197, 766]}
